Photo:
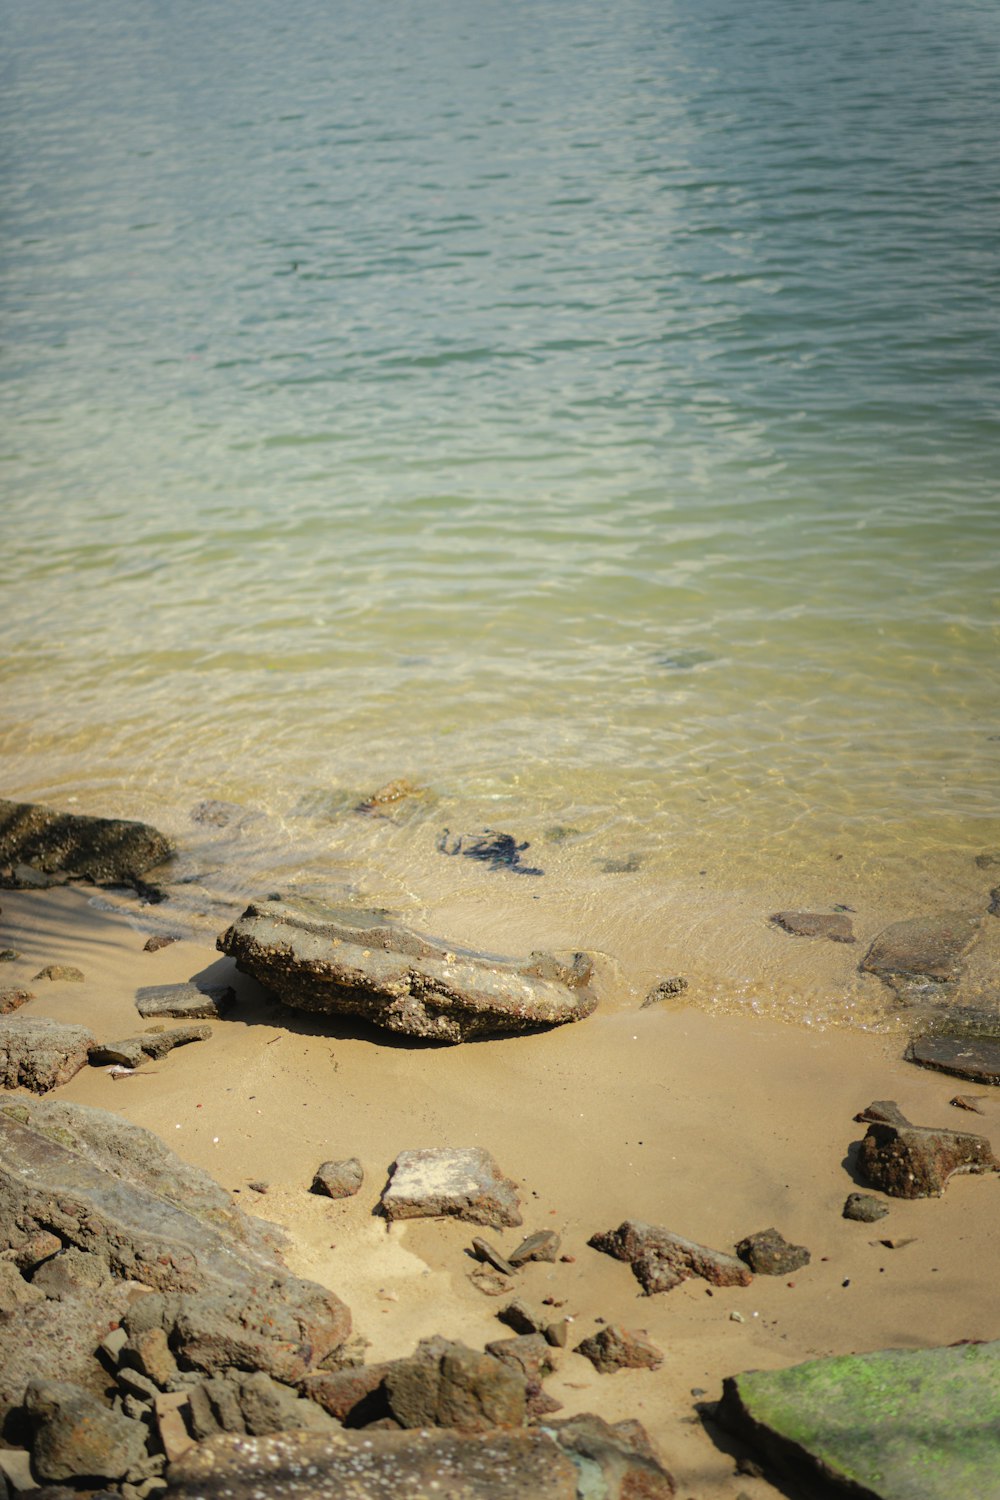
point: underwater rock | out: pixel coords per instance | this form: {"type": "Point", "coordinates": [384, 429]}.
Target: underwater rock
{"type": "Point", "coordinates": [54, 846]}
{"type": "Point", "coordinates": [834, 926]}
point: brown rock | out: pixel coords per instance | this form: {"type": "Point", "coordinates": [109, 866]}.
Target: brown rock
{"type": "Point", "coordinates": [39, 1054]}
{"type": "Point", "coordinates": [484, 1251]}
{"type": "Point", "coordinates": [661, 1260]}
{"type": "Point", "coordinates": [387, 796]}
{"type": "Point", "coordinates": [11, 1000]}
{"type": "Point", "coordinates": [465, 1183]}
{"type": "Point", "coordinates": [60, 972]}
{"type": "Point", "coordinates": [447, 1385]}
{"type": "Point", "coordinates": [616, 1348]}
{"type": "Point", "coordinates": [15, 1292]}
{"type": "Point", "coordinates": [175, 1440]}
{"type": "Point", "coordinates": [521, 1319]}
{"type": "Point", "coordinates": [768, 1253]}
{"type": "Point", "coordinates": [975, 1058]}
{"type": "Point", "coordinates": [675, 984]}
{"type": "Point", "coordinates": [629, 1466]}
{"type": "Point", "coordinates": [916, 1161]}
{"type": "Point", "coordinates": [544, 1245]}
{"type": "Point", "coordinates": [157, 941]}
{"type": "Point", "coordinates": [184, 1001]}
{"type": "Point", "coordinates": [835, 926]}
{"type": "Point", "coordinates": [75, 1436]}
{"type": "Point", "coordinates": [490, 1282]}
{"type": "Point", "coordinates": [338, 1179]}
{"type": "Point", "coordinates": [352, 1395]}
{"type": "Point", "coordinates": [921, 951]}
{"type": "Point", "coordinates": [864, 1208]}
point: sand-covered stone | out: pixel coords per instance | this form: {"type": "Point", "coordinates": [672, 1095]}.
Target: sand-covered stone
{"type": "Point", "coordinates": [832, 925]}
{"type": "Point", "coordinates": [916, 1161]}
{"type": "Point", "coordinates": [465, 1183]}
{"type": "Point", "coordinates": [49, 845]}
{"type": "Point", "coordinates": [975, 1058]}
{"type": "Point", "coordinates": [40, 1054]}
{"type": "Point", "coordinates": [661, 1260]}
{"type": "Point", "coordinates": [922, 951]}
{"type": "Point", "coordinates": [345, 961]}
{"type": "Point", "coordinates": [899, 1424]}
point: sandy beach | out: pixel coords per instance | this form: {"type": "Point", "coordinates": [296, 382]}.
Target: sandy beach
{"type": "Point", "coordinates": [715, 1126]}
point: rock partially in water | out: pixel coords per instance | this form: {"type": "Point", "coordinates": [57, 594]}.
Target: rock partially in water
{"type": "Point", "coordinates": [918, 956]}
{"type": "Point", "coordinates": [675, 984]}
{"type": "Point", "coordinates": [916, 1161]}
{"type": "Point", "coordinates": [661, 1260]}
{"type": "Point", "coordinates": [975, 1058]}
{"type": "Point", "coordinates": [834, 1426]}
{"type": "Point", "coordinates": [39, 1054]}
{"type": "Point", "coordinates": [465, 1183]}
{"type": "Point", "coordinates": [344, 961]}
{"type": "Point", "coordinates": [379, 803]}
{"type": "Point", "coordinates": [835, 926]}
{"type": "Point", "coordinates": [57, 846]}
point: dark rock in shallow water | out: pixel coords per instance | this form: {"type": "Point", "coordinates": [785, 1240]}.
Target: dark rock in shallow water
{"type": "Point", "coordinates": [976, 1058]}
{"type": "Point", "coordinates": [899, 1424]}
{"type": "Point", "coordinates": [344, 961]}
{"type": "Point", "coordinates": [834, 926]}
{"type": "Point", "coordinates": [105, 851]}
{"type": "Point", "coordinates": [768, 1253]}
{"type": "Point", "coordinates": [39, 1054]}
{"type": "Point", "coordinates": [915, 1161]}
{"type": "Point", "coordinates": [676, 984]}
{"type": "Point", "coordinates": [498, 850]}
{"type": "Point", "coordinates": [915, 956]}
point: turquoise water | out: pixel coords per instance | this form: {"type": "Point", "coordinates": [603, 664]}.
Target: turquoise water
{"type": "Point", "coordinates": [588, 411]}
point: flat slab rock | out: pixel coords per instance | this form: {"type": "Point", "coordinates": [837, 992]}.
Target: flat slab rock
{"type": "Point", "coordinates": [40, 1054]}
{"type": "Point", "coordinates": [350, 962]}
{"type": "Point", "coordinates": [465, 1183]}
{"type": "Point", "coordinates": [916, 1161]}
{"type": "Point", "coordinates": [836, 1422]}
{"type": "Point", "coordinates": [73, 846]}
{"type": "Point", "coordinates": [661, 1260]}
{"type": "Point", "coordinates": [183, 1002]}
{"type": "Point", "coordinates": [582, 1455]}
{"type": "Point", "coordinates": [922, 949]}
{"type": "Point", "coordinates": [976, 1058]}
{"type": "Point", "coordinates": [835, 926]}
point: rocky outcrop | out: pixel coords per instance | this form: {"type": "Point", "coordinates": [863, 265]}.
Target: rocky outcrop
{"type": "Point", "coordinates": [661, 1260]}
{"type": "Point", "coordinates": [39, 1054]}
{"type": "Point", "coordinates": [465, 1184]}
{"type": "Point", "coordinates": [350, 962]}
{"type": "Point", "coordinates": [916, 1161]}
{"type": "Point", "coordinates": [41, 847]}
{"type": "Point", "coordinates": [836, 1426]}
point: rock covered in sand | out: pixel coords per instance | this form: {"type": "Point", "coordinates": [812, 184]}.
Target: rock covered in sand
{"type": "Point", "coordinates": [345, 961]}
{"type": "Point", "coordinates": [465, 1183]}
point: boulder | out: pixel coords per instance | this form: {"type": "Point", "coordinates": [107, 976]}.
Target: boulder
{"type": "Point", "coordinates": [75, 1436]}
{"type": "Point", "coordinates": [39, 1054]}
{"type": "Point", "coordinates": [835, 926]}
{"type": "Point", "coordinates": [919, 955]}
{"type": "Point", "coordinates": [768, 1253]}
{"type": "Point", "coordinates": [899, 1424]}
{"type": "Point", "coordinates": [344, 961]}
{"type": "Point", "coordinates": [616, 1348]}
{"type": "Point", "coordinates": [976, 1058]}
{"type": "Point", "coordinates": [465, 1183]}
{"type": "Point", "coordinates": [915, 1161]}
{"type": "Point", "coordinates": [339, 1179]}
{"type": "Point", "coordinates": [447, 1385]}
{"type": "Point", "coordinates": [48, 846]}
{"type": "Point", "coordinates": [661, 1259]}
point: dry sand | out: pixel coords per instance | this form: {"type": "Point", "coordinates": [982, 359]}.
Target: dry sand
{"type": "Point", "coordinates": [713, 1125]}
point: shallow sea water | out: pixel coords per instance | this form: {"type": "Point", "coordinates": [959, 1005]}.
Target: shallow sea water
{"type": "Point", "coordinates": [587, 412]}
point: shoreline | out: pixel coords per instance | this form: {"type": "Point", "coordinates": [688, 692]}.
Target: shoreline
{"type": "Point", "coordinates": [714, 1125]}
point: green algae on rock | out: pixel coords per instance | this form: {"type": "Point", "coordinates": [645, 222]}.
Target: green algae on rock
{"type": "Point", "coordinates": [898, 1424]}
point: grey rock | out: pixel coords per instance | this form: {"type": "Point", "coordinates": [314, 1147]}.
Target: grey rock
{"type": "Point", "coordinates": [185, 1001]}
{"type": "Point", "coordinates": [490, 1255]}
{"type": "Point", "coordinates": [16, 1477]}
{"type": "Point", "coordinates": [133, 1050]}
{"type": "Point", "coordinates": [465, 1183]}
{"type": "Point", "coordinates": [447, 1385]}
{"type": "Point", "coordinates": [77, 1437]}
{"type": "Point", "coordinates": [543, 1245]}
{"type": "Point", "coordinates": [918, 956]}
{"type": "Point", "coordinates": [976, 1058]}
{"type": "Point", "coordinates": [621, 1453]}
{"type": "Point", "coordinates": [70, 1272]}
{"type": "Point", "coordinates": [104, 851]}
{"type": "Point", "coordinates": [864, 1208]}
{"type": "Point", "coordinates": [15, 1292]}
{"type": "Point", "coordinates": [532, 1357]}
{"type": "Point", "coordinates": [661, 1260]}
{"type": "Point", "coordinates": [269, 1406]}
{"type": "Point", "coordinates": [768, 1253]}
{"type": "Point", "coordinates": [339, 1179]}
{"type": "Point", "coordinates": [916, 1161]}
{"type": "Point", "coordinates": [127, 1053]}
{"type": "Point", "coordinates": [40, 1054]}
{"type": "Point", "coordinates": [343, 961]}
{"type": "Point", "coordinates": [994, 906]}
{"type": "Point", "coordinates": [836, 926]}
{"type": "Point", "coordinates": [616, 1348]}
{"type": "Point", "coordinates": [518, 1316]}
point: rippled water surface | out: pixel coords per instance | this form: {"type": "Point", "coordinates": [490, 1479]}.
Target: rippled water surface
{"type": "Point", "coordinates": [588, 412]}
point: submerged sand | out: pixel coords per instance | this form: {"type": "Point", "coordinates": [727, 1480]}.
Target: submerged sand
{"type": "Point", "coordinates": [714, 1125]}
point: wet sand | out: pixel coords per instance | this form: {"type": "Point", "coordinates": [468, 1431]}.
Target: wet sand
{"type": "Point", "coordinates": [715, 1125]}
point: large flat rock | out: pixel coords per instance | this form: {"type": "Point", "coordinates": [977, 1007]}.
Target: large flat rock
{"type": "Point", "coordinates": [349, 962]}
{"type": "Point", "coordinates": [899, 1424]}
{"type": "Point", "coordinates": [38, 843]}
{"type": "Point", "coordinates": [463, 1182]}
{"type": "Point", "coordinates": [922, 951]}
{"type": "Point", "coordinates": [975, 1058]}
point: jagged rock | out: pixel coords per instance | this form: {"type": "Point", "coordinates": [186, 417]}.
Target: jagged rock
{"type": "Point", "coordinates": [268, 1406]}
{"type": "Point", "coordinates": [343, 961]}
{"type": "Point", "coordinates": [835, 926]}
{"type": "Point", "coordinates": [40, 1054]}
{"type": "Point", "coordinates": [70, 1272]}
{"type": "Point", "coordinates": [354, 1396]}
{"type": "Point", "coordinates": [11, 1000]}
{"type": "Point", "coordinates": [484, 1251]}
{"type": "Point", "coordinates": [157, 941]}
{"type": "Point", "coordinates": [447, 1385]}
{"type": "Point", "coordinates": [521, 1318]}
{"type": "Point", "coordinates": [220, 1295]}
{"type": "Point", "coordinates": [543, 1245]}
{"type": "Point", "coordinates": [675, 984]}
{"type": "Point", "coordinates": [626, 1462]}
{"type": "Point", "coordinates": [76, 1437]}
{"type": "Point", "coordinates": [132, 1051]}
{"type": "Point", "coordinates": [915, 1161]}
{"type": "Point", "coordinates": [768, 1253]}
{"type": "Point", "coordinates": [339, 1179]}
{"type": "Point", "coordinates": [533, 1358]}
{"type": "Point", "coordinates": [899, 1424]}
{"type": "Point", "coordinates": [661, 1260]}
{"type": "Point", "coordinates": [65, 973]}
{"type": "Point", "coordinates": [465, 1183]}
{"type": "Point", "coordinates": [922, 954]}
{"type": "Point", "coordinates": [976, 1058]}
{"type": "Point", "coordinates": [15, 1292]}
{"type": "Point", "coordinates": [183, 1001]}
{"type": "Point", "coordinates": [48, 844]}
{"type": "Point", "coordinates": [864, 1208]}
{"type": "Point", "coordinates": [616, 1348]}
